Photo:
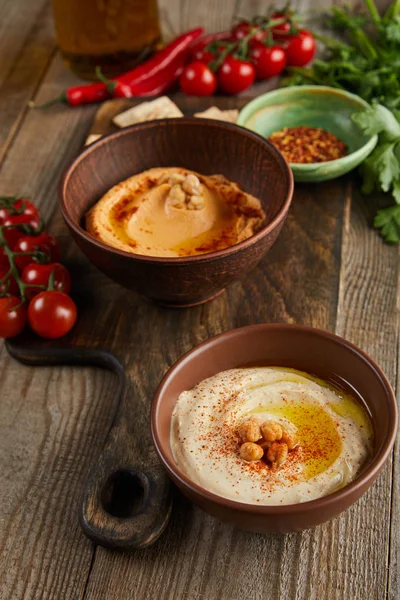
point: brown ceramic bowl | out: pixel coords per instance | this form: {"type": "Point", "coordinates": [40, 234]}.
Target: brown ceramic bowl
{"type": "Point", "coordinates": [202, 145]}
{"type": "Point", "coordinates": [317, 352]}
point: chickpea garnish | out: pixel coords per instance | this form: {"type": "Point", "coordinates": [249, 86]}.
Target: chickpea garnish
{"type": "Point", "coordinates": [268, 439]}
{"type": "Point", "coordinates": [186, 192]}
{"type": "Point", "coordinates": [250, 451]}
{"type": "Point", "coordinates": [277, 454]}
{"type": "Point", "coordinates": [191, 185]}
{"type": "Point", "coordinates": [271, 431]}
{"type": "Point", "coordinates": [176, 196]}
{"type": "Point", "coordinates": [249, 430]}
{"type": "Point", "coordinates": [290, 439]}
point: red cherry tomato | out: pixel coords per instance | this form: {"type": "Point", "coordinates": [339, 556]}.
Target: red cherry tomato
{"type": "Point", "coordinates": [32, 222]}
{"type": "Point", "coordinates": [4, 262]}
{"type": "Point", "coordinates": [198, 80]}
{"type": "Point", "coordinates": [36, 274]}
{"type": "Point", "coordinates": [300, 49]}
{"type": "Point", "coordinates": [44, 242]}
{"type": "Point", "coordinates": [52, 314]}
{"type": "Point", "coordinates": [204, 56]}
{"type": "Point", "coordinates": [282, 30]}
{"type": "Point", "coordinates": [235, 75]}
{"type": "Point", "coordinates": [23, 208]}
{"type": "Point", "coordinates": [8, 284]}
{"type": "Point", "coordinates": [243, 29]}
{"type": "Point", "coordinates": [268, 61]}
{"type": "Point", "coordinates": [12, 234]}
{"type": "Point", "coordinates": [27, 214]}
{"type": "Point", "coordinates": [12, 316]}
{"type": "Point", "coordinates": [204, 41]}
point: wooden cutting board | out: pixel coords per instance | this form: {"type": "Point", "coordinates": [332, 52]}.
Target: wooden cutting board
{"type": "Point", "coordinates": [127, 499]}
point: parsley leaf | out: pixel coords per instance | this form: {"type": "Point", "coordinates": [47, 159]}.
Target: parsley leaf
{"type": "Point", "coordinates": [381, 166]}
{"type": "Point", "coordinates": [396, 190]}
{"type": "Point", "coordinates": [377, 119]}
{"type": "Point", "coordinates": [386, 165]}
{"type": "Point", "coordinates": [388, 221]}
{"type": "Point", "coordinates": [391, 31]}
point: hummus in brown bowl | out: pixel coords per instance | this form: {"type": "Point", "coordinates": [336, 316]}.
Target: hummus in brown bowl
{"type": "Point", "coordinates": [270, 436]}
{"type": "Point", "coordinates": [174, 212]}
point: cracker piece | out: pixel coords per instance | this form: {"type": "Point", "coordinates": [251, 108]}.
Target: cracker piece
{"type": "Point", "coordinates": [93, 137]}
{"type": "Point", "coordinates": [221, 115]}
{"type": "Point", "coordinates": [160, 108]}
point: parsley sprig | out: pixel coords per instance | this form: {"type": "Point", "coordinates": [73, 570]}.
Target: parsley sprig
{"type": "Point", "coordinates": [381, 170]}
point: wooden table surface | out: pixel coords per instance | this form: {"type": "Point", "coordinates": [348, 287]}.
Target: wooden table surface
{"type": "Point", "coordinates": [328, 269]}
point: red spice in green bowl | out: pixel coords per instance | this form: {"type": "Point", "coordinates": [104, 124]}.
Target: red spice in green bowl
{"type": "Point", "coordinates": [312, 106]}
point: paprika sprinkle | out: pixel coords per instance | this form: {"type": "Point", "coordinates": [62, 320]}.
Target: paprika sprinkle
{"type": "Point", "coordinates": [308, 144]}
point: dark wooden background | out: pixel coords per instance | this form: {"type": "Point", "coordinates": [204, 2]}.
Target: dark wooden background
{"type": "Point", "coordinates": [328, 269]}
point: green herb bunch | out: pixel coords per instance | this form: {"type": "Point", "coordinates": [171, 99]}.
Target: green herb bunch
{"type": "Point", "coordinates": [366, 61]}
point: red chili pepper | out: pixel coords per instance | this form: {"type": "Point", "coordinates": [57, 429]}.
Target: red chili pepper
{"type": "Point", "coordinates": [162, 59]}
{"type": "Point", "coordinates": [158, 84]}
{"type": "Point", "coordinates": [141, 80]}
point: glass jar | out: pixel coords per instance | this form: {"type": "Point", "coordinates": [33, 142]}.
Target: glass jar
{"type": "Point", "coordinates": [112, 34]}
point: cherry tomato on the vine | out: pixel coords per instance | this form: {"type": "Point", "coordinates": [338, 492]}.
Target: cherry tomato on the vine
{"type": "Point", "coordinates": [15, 220]}
{"type": "Point", "coordinates": [300, 49]}
{"type": "Point", "coordinates": [36, 274]}
{"type": "Point", "coordinates": [4, 262]}
{"type": "Point", "coordinates": [204, 41]}
{"type": "Point", "coordinates": [21, 208]}
{"type": "Point", "coordinates": [8, 284]}
{"type": "Point", "coordinates": [44, 242]}
{"type": "Point", "coordinates": [12, 316]}
{"type": "Point", "coordinates": [282, 30]}
{"type": "Point", "coordinates": [235, 75]}
{"type": "Point", "coordinates": [12, 235]}
{"type": "Point", "coordinates": [52, 314]}
{"type": "Point", "coordinates": [204, 56]}
{"type": "Point", "coordinates": [268, 61]}
{"type": "Point", "coordinates": [198, 80]}
{"type": "Point", "coordinates": [243, 29]}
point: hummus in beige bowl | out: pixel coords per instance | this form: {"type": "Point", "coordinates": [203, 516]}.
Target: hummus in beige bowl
{"type": "Point", "coordinates": [270, 436]}
{"type": "Point", "coordinates": [174, 212]}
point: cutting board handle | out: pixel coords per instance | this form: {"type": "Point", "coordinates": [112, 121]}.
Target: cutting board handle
{"type": "Point", "coordinates": [127, 498]}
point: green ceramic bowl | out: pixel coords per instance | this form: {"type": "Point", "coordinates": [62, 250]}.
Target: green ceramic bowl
{"type": "Point", "coordinates": [312, 106]}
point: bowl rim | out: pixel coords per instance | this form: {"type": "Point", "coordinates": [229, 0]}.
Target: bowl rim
{"type": "Point", "coordinates": [180, 121]}
{"type": "Point", "coordinates": [307, 168]}
{"type": "Point", "coordinates": [366, 477]}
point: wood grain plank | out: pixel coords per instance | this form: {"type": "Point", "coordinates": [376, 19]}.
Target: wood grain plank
{"type": "Point", "coordinates": [394, 535]}
{"type": "Point", "coordinates": [368, 316]}
{"type": "Point", "coordinates": [50, 434]}
{"type": "Point", "coordinates": [22, 73]}
{"type": "Point", "coordinates": [180, 15]}
{"type": "Point", "coordinates": [53, 421]}
{"type": "Point", "coordinates": [17, 19]}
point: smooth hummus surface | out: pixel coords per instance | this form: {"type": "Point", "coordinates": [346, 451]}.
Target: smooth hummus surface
{"type": "Point", "coordinates": [174, 212]}
{"type": "Point", "coordinates": [332, 432]}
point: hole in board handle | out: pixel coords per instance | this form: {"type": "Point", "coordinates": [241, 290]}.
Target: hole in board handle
{"type": "Point", "coordinates": [124, 493]}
